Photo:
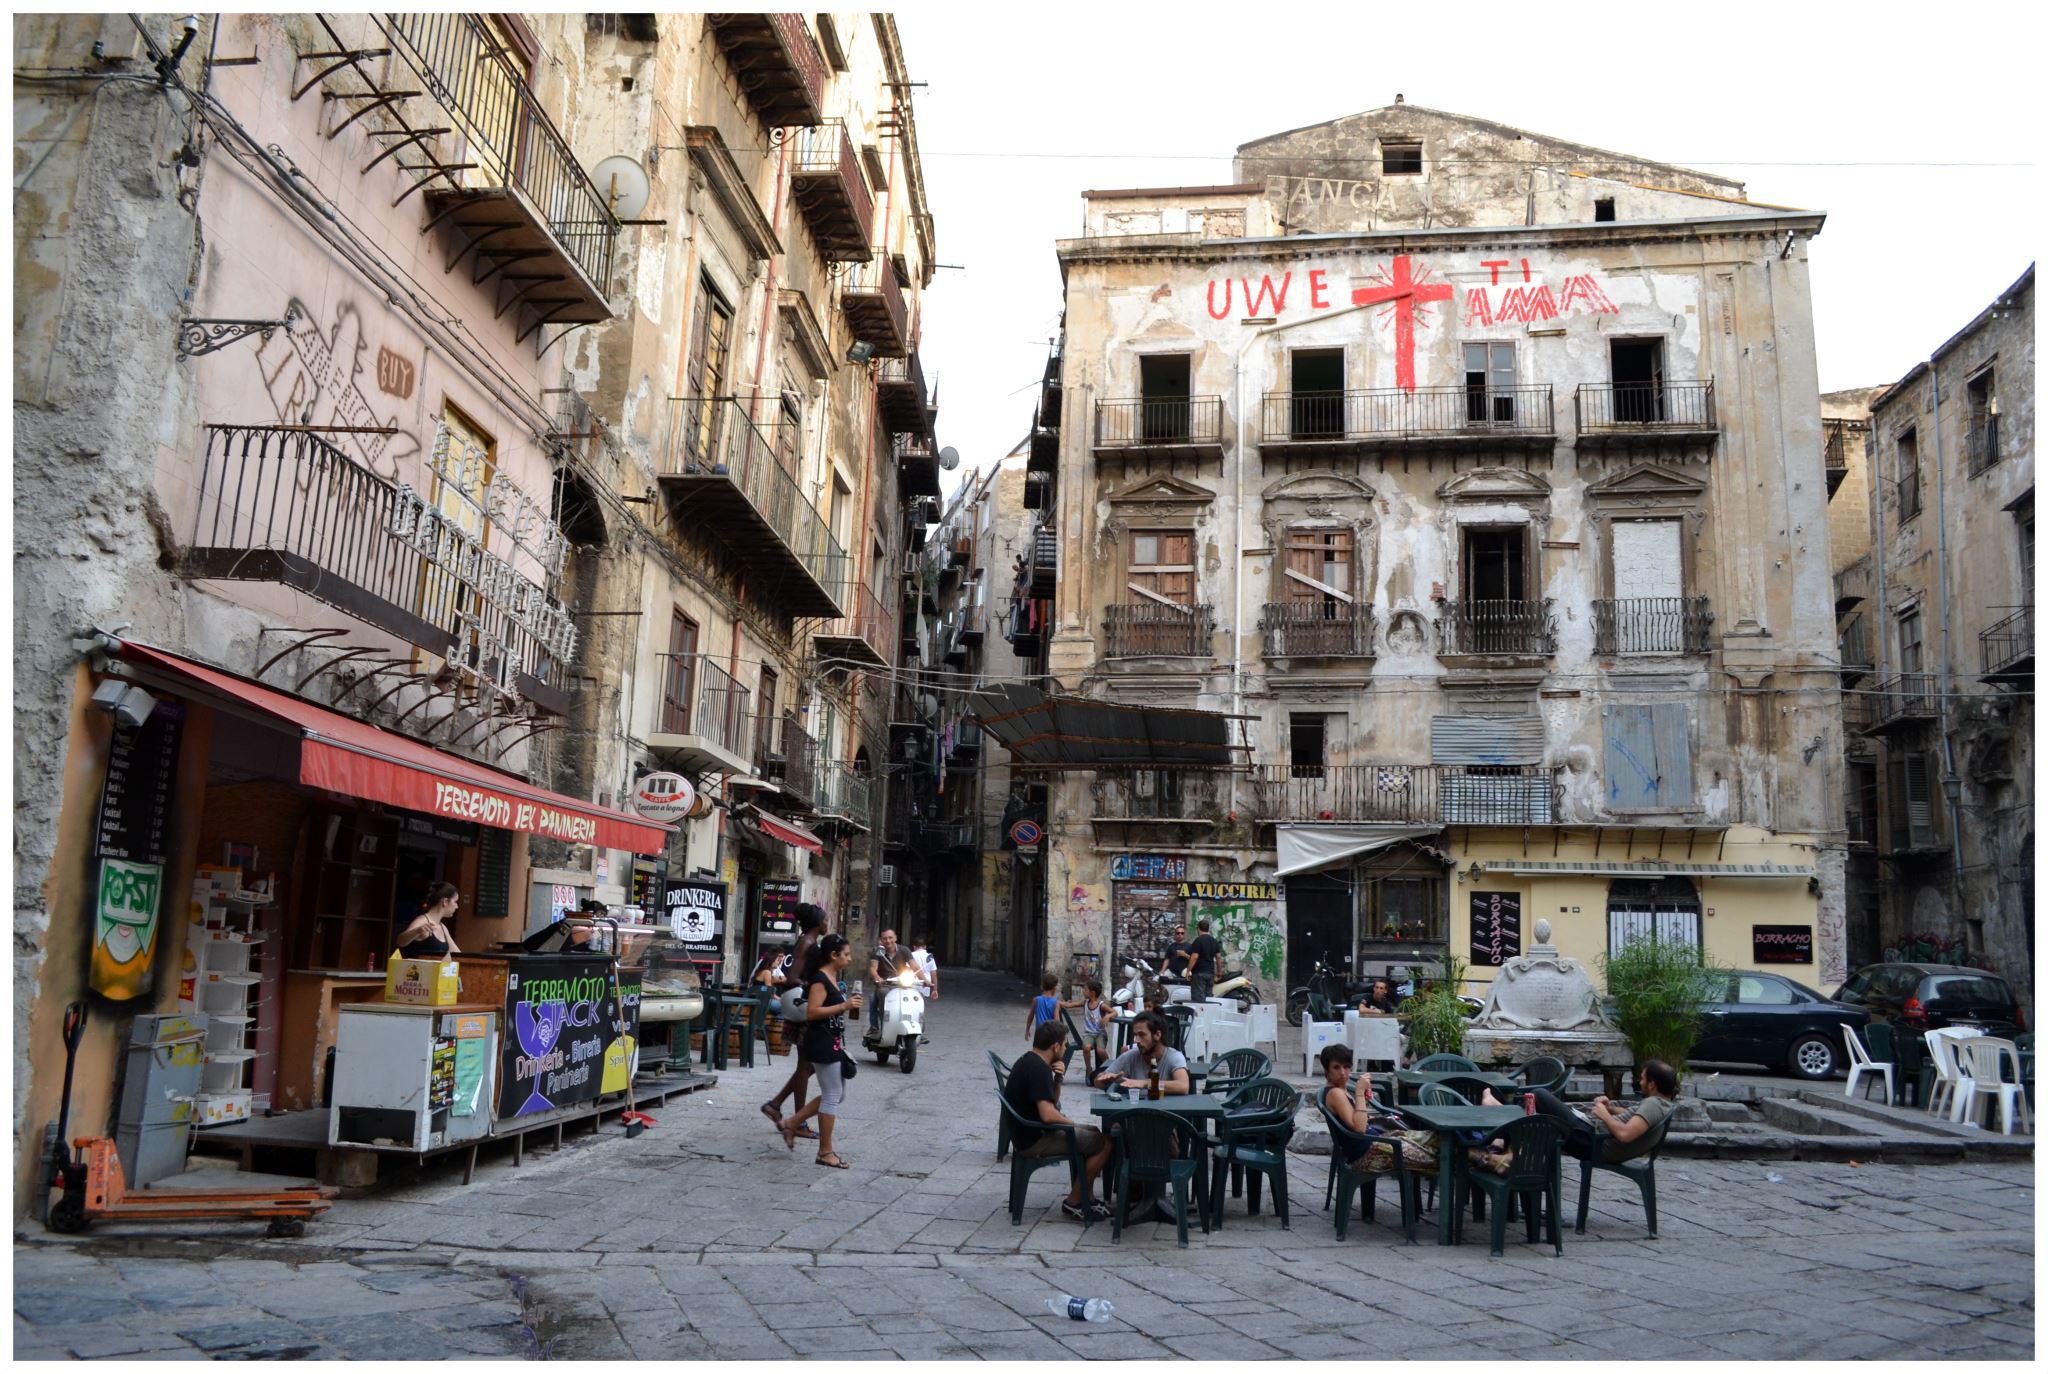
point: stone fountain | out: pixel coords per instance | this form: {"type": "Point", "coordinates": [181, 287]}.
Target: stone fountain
{"type": "Point", "coordinates": [1544, 1002]}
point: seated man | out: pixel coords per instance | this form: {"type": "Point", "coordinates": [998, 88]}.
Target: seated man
{"type": "Point", "coordinates": [1034, 1092]}
{"type": "Point", "coordinates": [1378, 1002]}
{"type": "Point", "coordinates": [1348, 1100]}
{"type": "Point", "coordinates": [1150, 1049]}
{"type": "Point", "coordinates": [1616, 1136]}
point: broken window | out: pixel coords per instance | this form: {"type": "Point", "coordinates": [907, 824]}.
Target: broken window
{"type": "Point", "coordinates": [1165, 383]}
{"type": "Point", "coordinates": [1909, 641]}
{"type": "Point", "coordinates": [1316, 401]}
{"type": "Point", "coordinates": [1908, 469]}
{"type": "Point", "coordinates": [1489, 383]}
{"type": "Point", "coordinates": [1603, 210]}
{"type": "Point", "coordinates": [1494, 560]}
{"type": "Point", "coordinates": [1980, 439]}
{"type": "Point", "coordinates": [1306, 738]}
{"type": "Point", "coordinates": [1400, 157]}
{"type": "Point", "coordinates": [1318, 570]}
{"type": "Point", "coordinates": [1636, 367]}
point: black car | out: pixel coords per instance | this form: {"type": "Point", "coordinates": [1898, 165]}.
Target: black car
{"type": "Point", "coordinates": [1767, 1019]}
{"type": "Point", "coordinates": [1926, 997]}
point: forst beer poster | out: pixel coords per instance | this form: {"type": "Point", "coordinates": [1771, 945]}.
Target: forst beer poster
{"type": "Point", "coordinates": [561, 1022]}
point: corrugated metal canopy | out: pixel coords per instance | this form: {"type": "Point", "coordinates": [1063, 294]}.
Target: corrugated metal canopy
{"type": "Point", "coordinates": [1061, 733]}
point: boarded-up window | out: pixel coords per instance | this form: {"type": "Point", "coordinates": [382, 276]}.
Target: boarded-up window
{"type": "Point", "coordinates": [1485, 740]}
{"type": "Point", "coordinates": [1649, 758]}
{"type": "Point", "coordinates": [1318, 570]}
{"type": "Point", "coordinates": [1490, 777]}
{"type": "Point", "coordinates": [1911, 803]}
{"type": "Point", "coordinates": [1162, 567]}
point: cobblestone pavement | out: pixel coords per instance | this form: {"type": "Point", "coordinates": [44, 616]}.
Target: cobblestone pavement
{"type": "Point", "coordinates": [704, 1238]}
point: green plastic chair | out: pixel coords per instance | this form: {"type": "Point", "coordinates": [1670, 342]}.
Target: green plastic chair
{"type": "Point", "coordinates": [1538, 1143]}
{"type": "Point", "coordinates": [1235, 1068]}
{"type": "Point", "coordinates": [1002, 1121]}
{"type": "Point", "coordinates": [1471, 1089]}
{"type": "Point", "coordinates": [1155, 1146]}
{"type": "Point", "coordinates": [1319, 1008]}
{"type": "Point", "coordinates": [1441, 1095]}
{"type": "Point", "coordinates": [747, 1012]}
{"type": "Point", "coordinates": [1179, 1019]}
{"type": "Point", "coordinates": [1346, 1182]}
{"type": "Point", "coordinates": [1023, 1166]}
{"type": "Point", "coordinates": [1642, 1171]}
{"type": "Point", "coordinates": [1544, 1071]}
{"type": "Point", "coordinates": [1447, 1063]}
{"type": "Point", "coordinates": [712, 1023]}
{"type": "Point", "coordinates": [1252, 1145]}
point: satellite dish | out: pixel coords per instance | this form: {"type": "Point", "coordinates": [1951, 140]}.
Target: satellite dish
{"type": "Point", "coordinates": [949, 458]}
{"type": "Point", "coordinates": [623, 184]}
{"type": "Point", "coordinates": [928, 705]}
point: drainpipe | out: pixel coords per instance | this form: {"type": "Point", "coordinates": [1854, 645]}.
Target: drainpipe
{"type": "Point", "coordinates": [1237, 515]}
{"type": "Point", "coordinates": [1948, 745]}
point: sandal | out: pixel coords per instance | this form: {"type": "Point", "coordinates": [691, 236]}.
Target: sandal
{"type": "Point", "coordinates": [833, 1161]}
{"type": "Point", "coordinates": [806, 1133]}
{"type": "Point", "coordinates": [788, 1130]}
{"type": "Point", "coordinates": [768, 1109]}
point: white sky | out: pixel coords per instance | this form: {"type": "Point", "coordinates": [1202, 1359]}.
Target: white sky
{"type": "Point", "coordinates": [1026, 107]}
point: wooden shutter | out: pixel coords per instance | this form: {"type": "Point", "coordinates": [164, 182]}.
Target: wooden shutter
{"type": "Point", "coordinates": [1912, 803]}
{"type": "Point", "coordinates": [676, 682]}
{"type": "Point", "coordinates": [1649, 763]}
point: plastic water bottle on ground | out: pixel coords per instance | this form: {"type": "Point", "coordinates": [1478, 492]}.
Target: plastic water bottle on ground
{"type": "Point", "coordinates": [1080, 1309]}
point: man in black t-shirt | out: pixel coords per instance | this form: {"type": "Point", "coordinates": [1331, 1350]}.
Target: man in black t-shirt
{"type": "Point", "coordinates": [1202, 972]}
{"type": "Point", "coordinates": [883, 965]}
{"type": "Point", "coordinates": [1178, 955]}
{"type": "Point", "coordinates": [1033, 1093]}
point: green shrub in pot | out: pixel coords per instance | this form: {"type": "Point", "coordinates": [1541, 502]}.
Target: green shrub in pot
{"type": "Point", "coordinates": [1657, 995]}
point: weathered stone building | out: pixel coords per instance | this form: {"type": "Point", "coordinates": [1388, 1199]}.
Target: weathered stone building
{"type": "Point", "coordinates": [1478, 476]}
{"type": "Point", "coordinates": [1950, 700]}
{"type": "Point", "coordinates": [1845, 446]}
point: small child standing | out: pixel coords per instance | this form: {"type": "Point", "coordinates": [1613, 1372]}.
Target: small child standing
{"type": "Point", "coordinates": [1094, 1031]}
{"type": "Point", "coordinates": [1045, 1006]}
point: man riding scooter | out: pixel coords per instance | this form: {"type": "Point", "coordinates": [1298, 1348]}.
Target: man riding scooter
{"type": "Point", "coordinates": [897, 1024]}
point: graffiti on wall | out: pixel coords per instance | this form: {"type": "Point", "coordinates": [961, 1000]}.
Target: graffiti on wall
{"type": "Point", "coordinates": [1148, 867]}
{"type": "Point", "coordinates": [315, 376]}
{"type": "Point", "coordinates": [1250, 941]}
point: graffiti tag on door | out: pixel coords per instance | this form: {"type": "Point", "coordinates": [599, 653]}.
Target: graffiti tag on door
{"type": "Point", "coordinates": [1249, 940]}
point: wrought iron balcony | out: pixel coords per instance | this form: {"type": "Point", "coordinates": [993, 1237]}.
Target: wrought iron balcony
{"type": "Point", "coordinates": [900, 390]}
{"type": "Point", "coordinates": [831, 192]}
{"type": "Point", "coordinates": [973, 625]}
{"type": "Point", "coordinates": [1980, 442]}
{"type": "Point", "coordinates": [1151, 629]}
{"type": "Point", "coordinates": [1908, 699]}
{"type": "Point", "coordinates": [1038, 491]}
{"type": "Point", "coordinates": [778, 63]}
{"type": "Point", "coordinates": [1651, 625]}
{"type": "Point", "coordinates": [277, 504]}
{"type": "Point", "coordinates": [1186, 796]}
{"type": "Point", "coordinates": [1042, 564]}
{"type": "Point", "coordinates": [958, 836]}
{"type": "Point", "coordinates": [917, 463]}
{"type": "Point", "coordinates": [1045, 449]}
{"type": "Point", "coordinates": [799, 761]}
{"type": "Point", "coordinates": [525, 211]}
{"type": "Point", "coordinates": [738, 479]}
{"type": "Point", "coordinates": [2008, 649]}
{"type": "Point", "coordinates": [844, 795]}
{"type": "Point", "coordinates": [1434, 417]}
{"type": "Point", "coordinates": [1318, 629]}
{"type": "Point", "coordinates": [863, 634]}
{"type": "Point", "coordinates": [704, 723]}
{"type": "Point", "coordinates": [1405, 793]}
{"type": "Point", "coordinates": [1853, 650]}
{"type": "Point", "coordinates": [1026, 634]}
{"type": "Point", "coordinates": [1835, 452]}
{"type": "Point", "coordinates": [1629, 412]}
{"type": "Point", "coordinates": [872, 297]}
{"type": "Point", "coordinates": [1504, 629]}
{"type": "Point", "coordinates": [1173, 427]}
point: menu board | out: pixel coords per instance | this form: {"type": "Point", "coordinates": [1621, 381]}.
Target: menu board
{"type": "Point", "coordinates": [1496, 928]}
{"type": "Point", "coordinates": [129, 850]}
{"type": "Point", "coordinates": [779, 898]}
{"type": "Point", "coordinates": [1781, 944]}
{"type": "Point", "coordinates": [694, 911]}
{"type": "Point", "coordinates": [560, 1025]}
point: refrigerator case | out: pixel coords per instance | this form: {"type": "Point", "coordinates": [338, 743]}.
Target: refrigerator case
{"type": "Point", "coordinates": [413, 1078]}
{"type": "Point", "coordinates": [165, 1057]}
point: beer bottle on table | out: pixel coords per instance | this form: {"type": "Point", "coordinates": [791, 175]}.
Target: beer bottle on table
{"type": "Point", "coordinates": [1152, 1092]}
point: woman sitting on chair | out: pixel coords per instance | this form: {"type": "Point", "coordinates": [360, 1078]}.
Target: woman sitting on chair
{"type": "Point", "coordinates": [1347, 1099]}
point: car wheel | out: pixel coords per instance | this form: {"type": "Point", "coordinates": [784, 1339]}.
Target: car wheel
{"type": "Point", "coordinates": [1814, 1056]}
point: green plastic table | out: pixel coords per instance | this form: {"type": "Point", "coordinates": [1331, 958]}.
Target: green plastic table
{"type": "Point", "coordinates": [1410, 1082]}
{"type": "Point", "coordinates": [1444, 1121]}
{"type": "Point", "coordinates": [1198, 1109]}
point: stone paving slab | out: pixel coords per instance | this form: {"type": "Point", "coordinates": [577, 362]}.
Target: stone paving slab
{"type": "Point", "coordinates": [705, 1239]}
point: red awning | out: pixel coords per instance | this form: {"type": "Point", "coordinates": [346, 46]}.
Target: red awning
{"type": "Point", "coordinates": [347, 756]}
{"type": "Point", "coordinates": [789, 832]}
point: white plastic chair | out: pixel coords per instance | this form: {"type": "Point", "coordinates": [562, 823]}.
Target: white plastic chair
{"type": "Point", "coordinates": [1861, 1063]}
{"type": "Point", "coordinates": [1373, 1040]}
{"type": "Point", "coordinates": [1262, 1025]}
{"type": "Point", "coordinates": [1949, 1089]}
{"type": "Point", "coordinates": [1315, 1035]}
{"type": "Point", "coordinates": [1983, 1061]}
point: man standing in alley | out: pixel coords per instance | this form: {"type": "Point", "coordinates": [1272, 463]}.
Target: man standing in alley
{"type": "Point", "coordinates": [928, 972]}
{"type": "Point", "coordinates": [1202, 967]}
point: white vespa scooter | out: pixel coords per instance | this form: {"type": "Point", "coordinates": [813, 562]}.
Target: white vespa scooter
{"type": "Point", "coordinates": [902, 1024]}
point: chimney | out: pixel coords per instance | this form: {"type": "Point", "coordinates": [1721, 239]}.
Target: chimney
{"type": "Point", "coordinates": [1400, 99]}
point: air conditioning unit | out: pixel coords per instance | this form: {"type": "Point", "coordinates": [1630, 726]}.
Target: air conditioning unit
{"type": "Point", "coordinates": [886, 875]}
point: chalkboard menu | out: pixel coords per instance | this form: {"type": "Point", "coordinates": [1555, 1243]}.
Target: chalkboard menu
{"type": "Point", "coordinates": [1496, 928]}
{"type": "Point", "coordinates": [1781, 944]}
{"type": "Point", "coordinates": [779, 897]}
{"type": "Point", "coordinates": [559, 1027]}
{"type": "Point", "coordinates": [694, 911]}
{"type": "Point", "coordinates": [493, 873]}
{"type": "Point", "coordinates": [129, 850]}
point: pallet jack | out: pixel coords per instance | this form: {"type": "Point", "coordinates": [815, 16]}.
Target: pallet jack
{"type": "Point", "coordinates": [95, 1190]}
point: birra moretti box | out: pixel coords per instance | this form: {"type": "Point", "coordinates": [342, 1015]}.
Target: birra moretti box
{"type": "Point", "coordinates": [422, 982]}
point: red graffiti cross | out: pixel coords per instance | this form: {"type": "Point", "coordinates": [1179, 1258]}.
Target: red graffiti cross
{"type": "Point", "coordinates": [1406, 293]}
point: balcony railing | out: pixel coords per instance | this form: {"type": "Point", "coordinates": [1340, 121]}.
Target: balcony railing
{"type": "Point", "coordinates": [1908, 697]}
{"type": "Point", "coordinates": [1330, 418]}
{"type": "Point", "coordinates": [1651, 625]}
{"type": "Point", "coordinates": [865, 633]}
{"type": "Point", "coordinates": [1835, 452]}
{"type": "Point", "coordinates": [832, 192]}
{"type": "Point", "coordinates": [799, 758]}
{"type": "Point", "coordinates": [711, 436]}
{"type": "Point", "coordinates": [1853, 649]}
{"type": "Point", "coordinates": [845, 793]}
{"type": "Point", "coordinates": [281, 505]}
{"type": "Point", "coordinates": [778, 63]}
{"type": "Point", "coordinates": [1517, 628]}
{"type": "Point", "coordinates": [1149, 628]}
{"type": "Point", "coordinates": [1619, 408]}
{"type": "Point", "coordinates": [1177, 423]}
{"type": "Point", "coordinates": [900, 388]}
{"type": "Point", "coordinates": [1318, 629]}
{"type": "Point", "coordinates": [700, 698]}
{"type": "Point", "coordinates": [1980, 441]}
{"type": "Point", "coordinates": [1428, 794]}
{"type": "Point", "coordinates": [2008, 646]}
{"type": "Point", "coordinates": [1159, 794]}
{"type": "Point", "coordinates": [872, 298]}
{"type": "Point", "coordinates": [507, 136]}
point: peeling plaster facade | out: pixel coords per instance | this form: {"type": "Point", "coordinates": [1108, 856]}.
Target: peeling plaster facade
{"type": "Point", "coordinates": [1951, 695]}
{"type": "Point", "coordinates": [1617, 529]}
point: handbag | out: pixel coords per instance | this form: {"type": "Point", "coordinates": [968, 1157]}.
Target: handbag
{"type": "Point", "coordinates": [847, 1068]}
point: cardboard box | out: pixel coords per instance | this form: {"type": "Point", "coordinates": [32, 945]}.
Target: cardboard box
{"type": "Point", "coordinates": [422, 982]}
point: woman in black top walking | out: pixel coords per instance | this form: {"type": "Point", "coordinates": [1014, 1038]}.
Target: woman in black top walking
{"type": "Point", "coordinates": [824, 1042]}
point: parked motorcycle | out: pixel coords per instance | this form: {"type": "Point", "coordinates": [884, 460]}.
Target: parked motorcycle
{"type": "Point", "coordinates": [1333, 981]}
{"type": "Point", "coordinates": [902, 1024]}
{"type": "Point", "coordinates": [1238, 985]}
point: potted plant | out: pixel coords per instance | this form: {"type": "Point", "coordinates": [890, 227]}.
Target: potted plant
{"type": "Point", "coordinates": [1657, 995]}
{"type": "Point", "coordinates": [1434, 1016]}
